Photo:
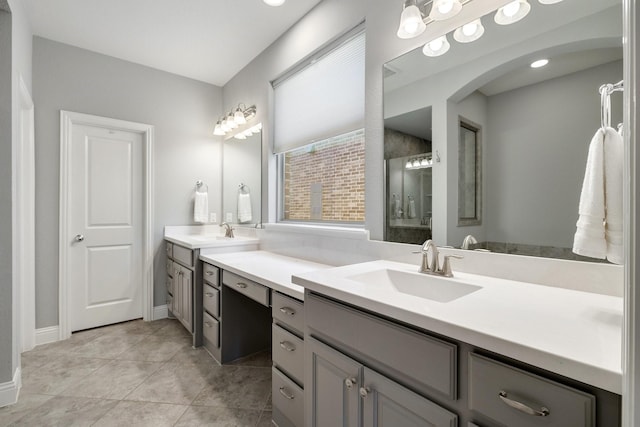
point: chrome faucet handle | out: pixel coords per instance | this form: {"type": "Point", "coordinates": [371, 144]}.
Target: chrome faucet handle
{"type": "Point", "coordinates": [446, 265]}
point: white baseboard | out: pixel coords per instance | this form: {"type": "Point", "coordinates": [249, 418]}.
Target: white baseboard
{"type": "Point", "coordinates": [9, 390]}
{"type": "Point", "coordinates": [47, 335]}
{"type": "Point", "coordinates": [160, 312]}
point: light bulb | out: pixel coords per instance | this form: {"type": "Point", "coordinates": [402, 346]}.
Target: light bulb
{"type": "Point", "coordinates": [436, 47]}
{"type": "Point", "coordinates": [231, 121]}
{"type": "Point", "coordinates": [248, 132]}
{"type": "Point", "coordinates": [549, 1]}
{"type": "Point", "coordinates": [416, 163]}
{"type": "Point", "coordinates": [218, 129]}
{"type": "Point", "coordinates": [238, 117]}
{"type": "Point", "coordinates": [445, 9]}
{"type": "Point", "coordinates": [274, 2]}
{"type": "Point", "coordinates": [512, 12]}
{"type": "Point", "coordinates": [225, 126]}
{"type": "Point", "coordinates": [240, 136]}
{"type": "Point", "coordinates": [445, 6]}
{"type": "Point", "coordinates": [424, 162]}
{"type": "Point", "coordinates": [469, 32]}
{"type": "Point", "coordinates": [409, 165]}
{"type": "Point", "coordinates": [411, 23]}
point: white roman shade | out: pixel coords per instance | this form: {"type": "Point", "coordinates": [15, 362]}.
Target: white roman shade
{"type": "Point", "coordinates": [323, 99]}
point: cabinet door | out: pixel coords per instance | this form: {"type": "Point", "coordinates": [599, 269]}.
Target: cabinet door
{"type": "Point", "coordinates": [176, 305]}
{"type": "Point", "coordinates": [388, 404]}
{"type": "Point", "coordinates": [187, 298]}
{"type": "Point", "coordinates": [332, 396]}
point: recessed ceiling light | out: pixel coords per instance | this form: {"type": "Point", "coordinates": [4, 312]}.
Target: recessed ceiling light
{"type": "Point", "coordinates": [274, 2]}
{"type": "Point", "coordinates": [539, 63]}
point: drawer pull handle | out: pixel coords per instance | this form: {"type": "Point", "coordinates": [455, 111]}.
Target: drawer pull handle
{"type": "Point", "coordinates": [241, 285]}
{"type": "Point", "coordinates": [208, 324]}
{"type": "Point", "coordinates": [287, 346]}
{"type": "Point", "coordinates": [364, 391]}
{"type": "Point", "coordinates": [288, 310]}
{"type": "Point", "coordinates": [285, 394]}
{"type": "Point", "coordinates": [350, 382]}
{"type": "Point", "coordinates": [209, 273]}
{"type": "Point", "coordinates": [209, 294]}
{"type": "Point", "coordinates": [543, 412]}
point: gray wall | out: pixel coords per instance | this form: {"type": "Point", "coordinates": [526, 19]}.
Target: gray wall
{"type": "Point", "coordinates": [6, 253]}
{"type": "Point", "coordinates": [552, 148]}
{"type": "Point", "coordinates": [183, 112]}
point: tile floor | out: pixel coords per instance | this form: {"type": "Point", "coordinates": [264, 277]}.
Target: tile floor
{"type": "Point", "coordinates": [138, 374]}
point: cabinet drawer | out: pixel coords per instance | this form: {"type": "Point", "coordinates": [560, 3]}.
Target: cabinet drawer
{"type": "Point", "coordinates": [211, 300]}
{"type": "Point", "coordinates": [247, 287]}
{"type": "Point", "coordinates": [211, 329]}
{"type": "Point", "coordinates": [170, 267]}
{"type": "Point", "coordinates": [288, 311]}
{"type": "Point", "coordinates": [183, 255]}
{"type": "Point", "coordinates": [416, 359]}
{"type": "Point", "coordinates": [210, 274]}
{"type": "Point", "coordinates": [168, 246]}
{"type": "Point", "coordinates": [288, 398]}
{"type": "Point", "coordinates": [505, 394]}
{"type": "Point", "coordinates": [288, 353]}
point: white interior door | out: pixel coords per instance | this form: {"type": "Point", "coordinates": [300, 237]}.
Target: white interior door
{"type": "Point", "coordinates": [105, 255]}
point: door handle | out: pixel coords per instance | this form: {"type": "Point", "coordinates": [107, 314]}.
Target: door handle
{"type": "Point", "coordinates": [79, 238]}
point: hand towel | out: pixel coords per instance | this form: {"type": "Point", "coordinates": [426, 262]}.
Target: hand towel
{"type": "Point", "coordinates": [589, 239]}
{"type": "Point", "coordinates": [411, 208]}
{"type": "Point", "coordinates": [613, 165]}
{"type": "Point", "coordinates": [201, 208]}
{"type": "Point", "coordinates": [599, 226]}
{"type": "Point", "coordinates": [244, 207]}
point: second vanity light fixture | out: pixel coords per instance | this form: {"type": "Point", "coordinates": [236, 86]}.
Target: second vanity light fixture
{"type": "Point", "coordinates": [413, 21]}
{"type": "Point", "coordinates": [237, 117]}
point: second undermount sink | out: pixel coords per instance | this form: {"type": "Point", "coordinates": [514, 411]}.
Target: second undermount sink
{"type": "Point", "coordinates": [430, 287]}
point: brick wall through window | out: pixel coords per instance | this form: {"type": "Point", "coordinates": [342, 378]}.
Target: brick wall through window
{"type": "Point", "coordinates": [324, 181]}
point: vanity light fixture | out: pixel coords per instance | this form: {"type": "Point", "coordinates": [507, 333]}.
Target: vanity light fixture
{"type": "Point", "coordinates": [274, 2]}
{"type": "Point", "coordinates": [512, 12]}
{"type": "Point", "coordinates": [539, 63]}
{"type": "Point", "coordinates": [437, 47]}
{"type": "Point", "coordinates": [419, 163]}
{"type": "Point", "coordinates": [444, 9]}
{"type": "Point", "coordinates": [469, 32]}
{"type": "Point", "coordinates": [234, 119]}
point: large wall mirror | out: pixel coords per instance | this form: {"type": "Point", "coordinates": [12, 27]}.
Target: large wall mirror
{"type": "Point", "coordinates": [477, 142]}
{"type": "Point", "coordinates": [241, 180]}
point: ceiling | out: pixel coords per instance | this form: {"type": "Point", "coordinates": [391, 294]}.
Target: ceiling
{"type": "Point", "coordinates": [206, 40]}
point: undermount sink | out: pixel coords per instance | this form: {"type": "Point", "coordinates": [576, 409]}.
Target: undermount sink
{"type": "Point", "coordinates": [420, 285]}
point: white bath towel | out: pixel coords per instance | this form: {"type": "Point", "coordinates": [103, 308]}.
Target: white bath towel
{"type": "Point", "coordinates": [599, 226]}
{"type": "Point", "coordinates": [613, 165]}
{"type": "Point", "coordinates": [244, 207]}
{"type": "Point", "coordinates": [201, 207]}
{"type": "Point", "coordinates": [411, 208]}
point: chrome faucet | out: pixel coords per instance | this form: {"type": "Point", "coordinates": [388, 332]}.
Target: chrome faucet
{"type": "Point", "coordinates": [434, 267]}
{"type": "Point", "coordinates": [229, 230]}
{"type": "Point", "coordinates": [468, 241]}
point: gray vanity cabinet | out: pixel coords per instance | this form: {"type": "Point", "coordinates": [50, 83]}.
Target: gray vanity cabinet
{"type": "Point", "coordinates": [183, 282]}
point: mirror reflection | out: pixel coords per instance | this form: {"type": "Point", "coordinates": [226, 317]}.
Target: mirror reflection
{"type": "Point", "coordinates": [508, 142]}
{"type": "Point", "coordinates": [241, 180]}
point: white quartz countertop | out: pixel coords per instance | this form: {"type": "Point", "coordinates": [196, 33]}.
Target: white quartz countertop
{"type": "Point", "coordinates": [266, 268]}
{"type": "Point", "coordinates": [198, 241]}
{"type": "Point", "coordinates": [572, 333]}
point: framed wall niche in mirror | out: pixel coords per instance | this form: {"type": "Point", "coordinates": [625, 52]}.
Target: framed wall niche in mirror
{"type": "Point", "coordinates": [242, 180]}
{"type": "Point", "coordinates": [534, 126]}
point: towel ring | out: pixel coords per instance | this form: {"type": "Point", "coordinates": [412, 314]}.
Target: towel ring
{"type": "Point", "coordinates": [199, 185]}
{"type": "Point", "coordinates": [243, 188]}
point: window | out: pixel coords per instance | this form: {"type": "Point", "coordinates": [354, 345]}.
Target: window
{"type": "Point", "coordinates": [469, 175]}
{"type": "Point", "coordinates": [319, 135]}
